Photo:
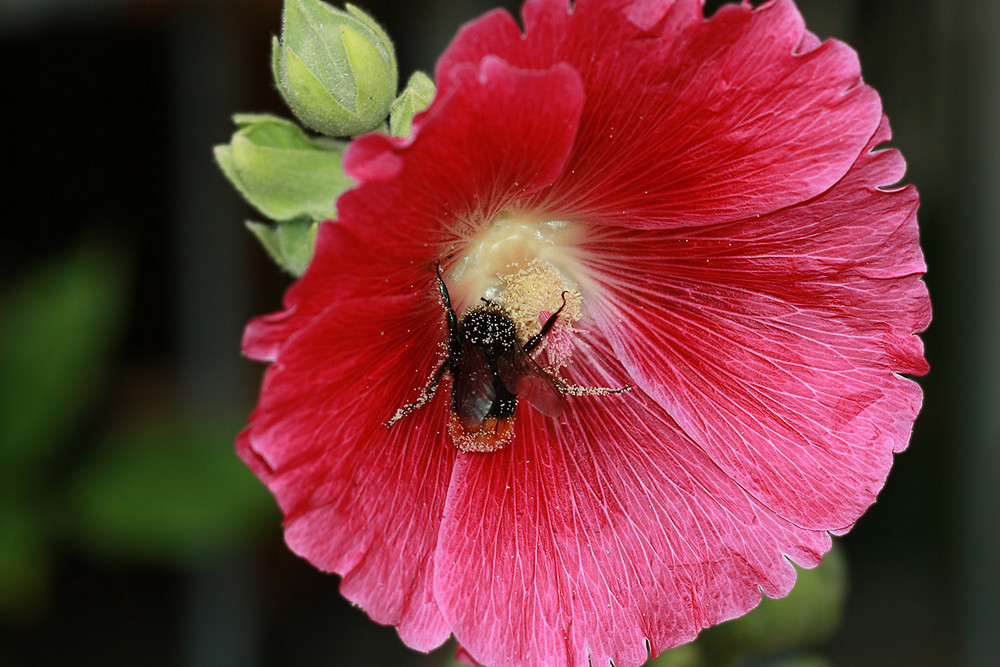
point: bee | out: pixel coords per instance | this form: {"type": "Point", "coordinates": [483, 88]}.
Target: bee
{"type": "Point", "coordinates": [490, 369]}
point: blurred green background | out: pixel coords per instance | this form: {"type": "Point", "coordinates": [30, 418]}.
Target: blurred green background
{"type": "Point", "coordinates": [129, 532]}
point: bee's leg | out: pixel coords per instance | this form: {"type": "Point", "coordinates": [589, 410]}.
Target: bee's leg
{"type": "Point", "coordinates": [427, 395]}
{"type": "Point", "coordinates": [547, 327]}
{"type": "Point", "coordinates": [577, 390]}
{"type": "Point", "coordinates": [454, 334]}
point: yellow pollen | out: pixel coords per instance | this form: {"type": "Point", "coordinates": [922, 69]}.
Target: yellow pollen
{"type": "Point", "coordinates": [535, 291]}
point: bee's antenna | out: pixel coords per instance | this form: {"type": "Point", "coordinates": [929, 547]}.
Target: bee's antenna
{"type": "Point", "coordinates": [442, 287]}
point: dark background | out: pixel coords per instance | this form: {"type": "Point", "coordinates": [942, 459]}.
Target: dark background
{"type": "Point", "coordinates": [119, 544]}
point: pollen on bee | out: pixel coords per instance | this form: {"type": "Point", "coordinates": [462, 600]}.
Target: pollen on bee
{"type": "Point", "coordinates": [490, 436]}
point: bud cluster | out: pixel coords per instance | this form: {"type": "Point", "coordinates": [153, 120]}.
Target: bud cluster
{"type": "Point", "coordinates": [336, 70]}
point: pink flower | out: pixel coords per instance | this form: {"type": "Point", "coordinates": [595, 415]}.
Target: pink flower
{"type": "Point", "coordinates": [710, 197]}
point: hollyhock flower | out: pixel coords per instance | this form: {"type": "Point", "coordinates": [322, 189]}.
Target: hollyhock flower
{"type": "Point", "coordinates": [708, 198]}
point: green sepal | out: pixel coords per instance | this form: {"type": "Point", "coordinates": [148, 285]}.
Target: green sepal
{"type": "Point", "coordinates": [311, 102]}
{"type": "Point", "coordinates": [417, 96]}
{"type": "Point", "coordinates": [381, 39]}
{"type": "Point", "coordinates": [290, 244]}
{"type": "Point", "coordinates": [281, 171]}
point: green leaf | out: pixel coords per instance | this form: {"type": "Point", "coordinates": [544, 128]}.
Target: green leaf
{"type": "Point", "coordinates": [60, 326]}
{"type": "Point", "coordinates": [167, 491]}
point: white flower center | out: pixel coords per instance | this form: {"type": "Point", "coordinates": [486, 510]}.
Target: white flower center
{"type": "Point", "coordinates": [509, 244]}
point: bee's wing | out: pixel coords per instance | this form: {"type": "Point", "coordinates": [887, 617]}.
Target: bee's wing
{"type": "Point", "coordinates": [523, 376]}
{"type": "Point", "coordinates": [473, 390]}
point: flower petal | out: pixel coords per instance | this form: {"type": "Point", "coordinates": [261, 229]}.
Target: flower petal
{"type": "Point", "coordinates": [758, 124]}
{"type": "Point", "coordinates": [361, 499]}
{"type": "Point", "coordinates": [497, 135]}
{"type": "Point", "coordinates": [775, 342]}
{"type": "Point", "coordinates": [586, 539]}
{"type": "Point", "coordinates": [324, 282]}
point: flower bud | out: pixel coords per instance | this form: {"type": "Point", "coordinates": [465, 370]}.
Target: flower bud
{"type": "Point", "coordinates": [282, 172]}
{"type": "Point", "coordinates": [336, 69]}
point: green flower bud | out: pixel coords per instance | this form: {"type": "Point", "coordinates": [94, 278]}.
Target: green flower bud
{"type": "Point", "coordinates": [282, 172]}
{"type": "Point", "coordinates": [336, 69]}
{"type": "Point", "coordinates": [418, 96]}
